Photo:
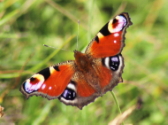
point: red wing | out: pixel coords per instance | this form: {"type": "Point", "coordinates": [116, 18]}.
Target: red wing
{"type": "Point", "coordinates": [110, 39]}
{"type": "Point", "coordinates": [110, 72]}
{"type": "Point", "coordinates": [50, 82]}
{"type": "Point", "coordinates": [84, 89]}
{"type": "Point", "coordinates": [79, 92]}
{"type": "Point", "coordinates": [105, 76]}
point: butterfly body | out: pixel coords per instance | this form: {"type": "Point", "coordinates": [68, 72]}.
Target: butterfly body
{"type": "Point", "coordinates": [90, 75]}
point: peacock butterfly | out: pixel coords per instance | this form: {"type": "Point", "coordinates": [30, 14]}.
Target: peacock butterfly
{"type": "Point", "coordinates": [79, 82]}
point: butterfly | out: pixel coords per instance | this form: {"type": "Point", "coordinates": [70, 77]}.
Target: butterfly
{"type": "Point", "coordinates": [79, 82]}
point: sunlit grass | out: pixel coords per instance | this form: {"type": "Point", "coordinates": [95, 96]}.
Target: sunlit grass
{"type": "Point", "coordinates": [26, 25]}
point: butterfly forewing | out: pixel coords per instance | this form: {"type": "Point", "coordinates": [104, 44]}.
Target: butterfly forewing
{"type": "Point", "coordinates": [110, 39]}
{"type": "Point", "coordinates": [49, 82]}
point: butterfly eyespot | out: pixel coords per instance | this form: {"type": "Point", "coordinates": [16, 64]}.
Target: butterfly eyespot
{"type": "Point", "coordinates": [26, 87]}
{"type": "Point", "coordinates": [69, 94]}
{"type": "Point", "coordinates": [115, 21]}
{"type": "Point", "coordinates": [112, 62]}
{"type": "Point", "coordinates": [34, 83]}
{"type": "Point", "coordinates": [117, 24]}
{"type": "Point", "coordinates": [34, 80]}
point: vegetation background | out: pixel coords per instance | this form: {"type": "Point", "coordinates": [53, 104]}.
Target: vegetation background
{"type": "Point", "coordinates": [25, 25]}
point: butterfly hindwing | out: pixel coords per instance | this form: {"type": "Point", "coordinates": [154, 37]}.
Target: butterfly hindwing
{"type": "Point", "coordinates": [114, 65]}
{"type": "Point", "coordinates": [78, 92]}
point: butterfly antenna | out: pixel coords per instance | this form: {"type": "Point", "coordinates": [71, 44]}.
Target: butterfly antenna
{"type": "Point", "coordinates": [54, 47]}
{"type": "Point", "coordinates": [48, 46]}
{"type": "Point", "coordinates": [78, 35]}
